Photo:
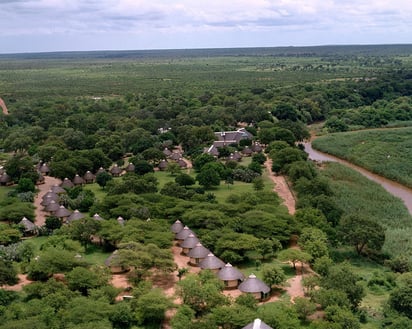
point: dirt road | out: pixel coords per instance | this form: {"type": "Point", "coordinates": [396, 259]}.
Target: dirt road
{"type": "Point", "coordinates": [4, 107]}
{"type": "Point", "coordinates": [43, 189]}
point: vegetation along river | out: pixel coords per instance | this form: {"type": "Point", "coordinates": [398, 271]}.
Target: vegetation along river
{"type": "Point", "coordinates": [392, 187]}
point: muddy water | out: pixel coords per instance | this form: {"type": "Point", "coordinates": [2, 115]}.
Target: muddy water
{"type": "Point", "coordinates": [392, 187]}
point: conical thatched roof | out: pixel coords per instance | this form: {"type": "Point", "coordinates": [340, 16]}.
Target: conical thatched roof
{"type": "Point", "coordinates": [4, 178]}
{"type": "Point", "coordinates": [100, 170]}
{"type": "Point", "coordinates": [190, 242]}
{"type": "Point", "coordinates": [163, 165]}
{"type": "Point", "coordinates": [256, 147]}
{"type": "Point", "coordinates": [167, 152]}
{"type": "Point", "coordinates": [28, 225]}
{"type": "Point", "coordinates": [116, 170]}
{"type": "Point", "coordinates": [130, 167]}
{"type": "Point", "coordinates": [53, 206]}
{"type": "Point", "coordinates": [97, 217]}
{"type": "Point", "coordinates": [247, 151]}
{"type": "Point", "coordinates": [75, 215]}
{"type": "Point", "coordinates": [253, 285]}
{"type": "Point", "coordinates": [67, 183]}
{"type": "Point", "coordinates": [211, 262]}
{"type": "Point", "coordinates": [46, 201]}
{"type": "Point", "coordinates": [120, 220]}
{"type": "Point", "coordinates": [183, 234]}
{"type": "Point", "coordinates": [51, 194]}
{"type": "Point", "coordinates": [77, 180]}
{"type": "Point", "coordinates": [44, 169]}
{"type": "Point", "coordinates": [176, 227]}
{"type": "Point", "coordinates": [89, 177]}
{"type": "Point", "coordinates": [62, 212]}
{"type": "Point", "coordinates": [229, 273]}
{"type": "Point", "coordinates": [257, 324]}
{"type": "Point", "coordinates": [198, 251]}
{"type": "Point", "coordinates": [58, 189]}
{"type": "Point", "coordinates": [182, 163]}
{"type": "Point", "coordinates": [175, 156]}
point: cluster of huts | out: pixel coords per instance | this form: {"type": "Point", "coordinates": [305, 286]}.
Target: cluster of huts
{"type": "Point", "coordinates": [172, 156]}
{"type": "Point", "coordinates": [202, 257]}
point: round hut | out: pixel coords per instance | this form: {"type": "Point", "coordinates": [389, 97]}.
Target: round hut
{"type": "Point", "coordinates": [230, 276]}
{"type": "Point", "coordinates": [120, 220]}
{"type": "Point", "coordinates": [52, 206]}
{"type": "Point", "coordinates": [256, 287]}
{"type": "Point", "coordinates": [97, 217]}
{"type": "Point", "coordinates": [176, 227]}
{"type": "Point", "coordinates": [114, 263]}
{"type": "Point", "coordinates": [162, 165]}
{"type": "Point", "coordinates": [78, 181]}
{"type": "Point", "coordinates": [49, 198]}
{"type": "Point", "coordinates": [182, 163]}
{"type": "Point", "coordinates": [88, 177]}
{"type": "Point", "coordinates": [183, 234]}
{"type": "Point", "coordinates": [130, 167]}
{"type": "Point", "coordinates": [188, 243]}
{"type": "Point", "coordinates": [175, 156]}
{"type": "Point", "coordinates": [116, 170]}
{"type": "Point", "coordinates": [75, 215]}
{"type": "Point", "coordinates": [167, 152]}
{"type": "Point", "coordinates": [100, 170]}
{"type": "Point", "coordinates": [44, 169]}
{"type": "Point", "coordinates": [211, 262]}
{"type": "Point", "coordinates": [29, 228]}
{"type": "Point", "coordinates": [5, 179]}
{"type": "Point", "coordinates": [62, 213]}
{"type": "Point", "coordinates": [257, 324]}
{"type": "Point", "coordinates": [197, 254]}
{"type": "Point", "coordinates": [67, 183]}
{"type": "Point", "coordinates": [58, 189]}
{"type": "Point", "coordinates": [247, 151]}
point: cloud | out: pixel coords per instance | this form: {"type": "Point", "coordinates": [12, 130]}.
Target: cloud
{"type": "Point", "coordinates": [148, 19]}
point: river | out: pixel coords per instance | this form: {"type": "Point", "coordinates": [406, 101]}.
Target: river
{"type": "Point", "coordinates": [392, 187]}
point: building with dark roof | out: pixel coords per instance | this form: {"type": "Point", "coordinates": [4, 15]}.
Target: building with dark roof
{"type": "Point", "coordinates": [256, 287]}
{"type": "Point", "coordinates": [230, 276]}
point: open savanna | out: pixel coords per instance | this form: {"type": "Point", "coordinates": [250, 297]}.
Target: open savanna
{"type": "Point", "coordinates": [356, 195]}
{"type": "Point", "coordinates": [386, 152]}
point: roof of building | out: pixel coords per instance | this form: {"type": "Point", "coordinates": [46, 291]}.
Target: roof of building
{"type": "Point", "coordinates": [190, 242]}
{"type": "Point", "coordinates": [252, 284]}
{"type": "Point", "coordinates": [211, 262]}
{"type": "Point", "coordinates": [75, 215]}
{"type": "Point", "coordinates": [257, 324]}
{"type": "Point", "coordinates": [229, 273]}
{"type": "Point", "coordinates": [198, 251]}
{"type": "Point", "coordinates": [177, 226]}
{"type": "Point", "coordinates": [62, 212]}
{"type": "Point", "coordinates": [184, 233]}
{"type": "Point", "coordinates": [28, 225]}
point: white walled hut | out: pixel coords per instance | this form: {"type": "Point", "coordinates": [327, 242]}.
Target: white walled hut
{"type": "Point", "coordinates": [176, 227]}
{"type": "Point", "coordinates": [211, 262]}
{"type": "Point", "coordinates": [197, 254]}
{"type": "Point", "coordinates": [256, 287]}
{"type": "Point", "coordinates": [183, 234]}
{"type": "Point", "coordinates": [230, 276]}
{"type": "Point", "coordinates": [189, 243]}
{"type": "Point", "coordinates": [257, 324]}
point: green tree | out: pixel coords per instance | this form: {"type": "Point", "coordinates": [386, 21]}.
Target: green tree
{"type": "Point", "coordinates": [8, 274]}
{"type": "Point", "coordinates": [83, 280]}
{"type": "Point", "coordinates": [208, 178]}
{"type": "Point", "coordinates": [151, 307]}
{"type": "Point", "coordinates": [173, 168]}
{"type": "Point", "coordinates": [314, 242]}
{"type": "Point", "coordinates": [258, 183]}
{"type": "Point", "coordinates": [303, 307]}
{"type": "Point", "coordinates": [103, 178]}
{"type": "Point", "coordinates": [273, 275]}
{"type": "Point", "coordinates": [185, 180]}
{"type": "Point", "coordinates": [294, 256]}
{"type": "Point", "coordinates": [362, 232]}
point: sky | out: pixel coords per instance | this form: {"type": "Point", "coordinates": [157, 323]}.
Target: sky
{"type": "Point", "coordinates": [79, 25]}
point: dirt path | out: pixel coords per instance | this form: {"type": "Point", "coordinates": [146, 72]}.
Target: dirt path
{"type": "Point", "coordinates": [3, 107]}
{"type": "Point", "coordinates": [282, 188]}
{"type": "Point", "coordinates": [43, 189]}
{"type": "Point", "coordinates": [23, 281]}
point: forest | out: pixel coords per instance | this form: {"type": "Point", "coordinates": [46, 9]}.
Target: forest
{"type": "Point", "coordinates": [139, 140]}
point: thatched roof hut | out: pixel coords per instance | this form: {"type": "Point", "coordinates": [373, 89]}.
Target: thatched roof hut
{"type": "Point", "coordinates": [75, 215]}
{"type": "Point", "coordinates": [130, 167]}
{"type": "Point", "coordinates": [120, 220]}
{"type": "Point", "coordinates": [257, 148]}
{"type": "Point", "coordinates": [167, 152]}
{"type": "Point", "coordinates": [176, 227]}
{"type": "Point", "coordinates": [49, 198]}
{"type": "Point", "coordinates": [67, 183]}
{"type": "Point", "coordinates": [97, 217]}
{"type": "Point", "coordinates": [116, 170]}
{"type": "Point", "coordinates": [52, 207]}
{"type": "Point", "coordinates": [183, 234]}
{"type": "Point", "coordinates": [62, 212]}
{"type": "Point", "coordinates": [78, 181]}
{"type": "Point", "coordinates": [5, 179]}
{"type": "Point", "coordinates": [29, 227]}
{"type": "Point", "coordinates": [113, 262]}
{"type": "Point", "coordinates": [230, 276]}
{"type": "Point", "coordinates": [88, 177]}
{"type": "Point", "coordinates": [44, 169]}
{"type": "Point", "coordinates": [247, 151]}
{"type": "Point", "coordinates": [257, 324]}
{"type": "Point", "coordinates": [211, 262]}
{"type": "Point", "coordinates": [189, 243]}
{"type": "Point", "coordinates": [175, 156]}
{"type": "Point", "coordinates": [182, 163]}
{"type": "Point", "coordinates": [100, 170]}
{"type": "Point", "coordinates": [163, 165]}
{"type": "Point", "coordinates": [58, 189]}
{"type": "Point", "coordinates": [197, 254]}
{"type": "Point", "coordinates": [255, 286]}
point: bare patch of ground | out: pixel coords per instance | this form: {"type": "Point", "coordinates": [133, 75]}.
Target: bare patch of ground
{"type": "Point", "coordinates": [23, 281]}
{"type": "Point", "coordinates": [282, 188]}
{"type": "Point", "coordinates": [4, 107]}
